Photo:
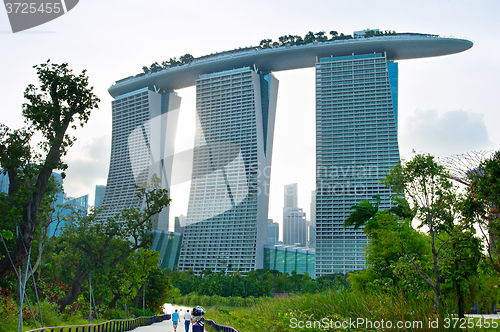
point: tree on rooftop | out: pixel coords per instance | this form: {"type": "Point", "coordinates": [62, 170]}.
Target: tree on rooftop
{"type": "Point", "coordinates": [186, 58]}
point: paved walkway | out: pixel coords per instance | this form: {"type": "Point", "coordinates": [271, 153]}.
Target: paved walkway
{"type": "Point", "coordinates": [166, 325]}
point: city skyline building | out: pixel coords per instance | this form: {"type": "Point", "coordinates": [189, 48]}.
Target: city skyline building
{"type": "Point", "coordinates": [291, 195]}
{"type": "Point", "coordinates": [99, 195]}
{"type": "Point", "coordinates": [294, 227]}
{"type": "Point", "coordinates": [179, 224]}
{"type": "Point", "coordinates": [356, 143]}
{"type": "Point", "coordinates": [273, 232]}
{"type": "Point", "coordinates": [228, 204]}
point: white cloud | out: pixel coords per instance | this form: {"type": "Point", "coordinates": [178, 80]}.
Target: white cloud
{"type": "Point", "coordinates": [444, 134]}
{"type": "Point", "coordinates": [88, 164]}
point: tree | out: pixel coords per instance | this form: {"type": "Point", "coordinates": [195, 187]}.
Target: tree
{"type": "Point", "coordinates": [186, 58]}
{"type": "Point", "coordinates": [483, 205]}
{"type": "Point", "coordinates": [50, 110]}
{"type": "Point", "coordinates": [157, 290]}
{"type": "Point", "coordinates": [320, 36]}
{"type": "Point", "coordinates": [265, 43]}
{"type": "Point", "coordinates": [309, 37]}
{"type": "Point", "coordinates": [363, 213]}
{"type": "Point", "coordinates": [91, 245]}
{"type": "Point", "coordinates": [387, 232]}
{"type": "Point", "coordinates": [432, 197]}
{"type": "Point", "coordinates": [155, 67]}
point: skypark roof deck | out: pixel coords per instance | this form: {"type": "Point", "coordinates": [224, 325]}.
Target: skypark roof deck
{"type": "Point", "coordinates": [397, 47]}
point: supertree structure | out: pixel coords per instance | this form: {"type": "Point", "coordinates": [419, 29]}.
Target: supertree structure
{"type": "Point", "coordinates": [461, 166]}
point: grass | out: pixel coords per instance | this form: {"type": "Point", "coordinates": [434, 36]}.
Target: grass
{"type": "Point", "coordinates": [328, 310]}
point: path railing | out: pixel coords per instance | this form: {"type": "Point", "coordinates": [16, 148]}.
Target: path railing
{"type": "Point", "coordinates": [219, 327]}
{"type": "Point", "coordinates": [115, 325]}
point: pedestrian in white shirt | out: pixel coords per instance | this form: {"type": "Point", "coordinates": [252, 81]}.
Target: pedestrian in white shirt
{"type": "Point", "coordinates": [187, 320]}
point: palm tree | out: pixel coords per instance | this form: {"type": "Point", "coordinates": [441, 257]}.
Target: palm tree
{"type": "Point", "coordinates": [402, 208]}
{"type": "Point", "coordinates": [364, 213]}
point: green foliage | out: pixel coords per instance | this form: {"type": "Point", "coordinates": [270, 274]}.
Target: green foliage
{"type": "Point", "coordinates": [285, 40]}
{"type": "Point", "coordinates": [61, 100]}
{"type": "Point", "coordinates": [363, 213]}
{"type": "Point", "coordinates": [482, 205]}
{"type": "Point", "coordinates": [279, 314]}
{"type": "Point", "coordinates": [257, 283]}
{"type": "Point", "coordinates": [111, 253]}
{"type": "Point", "coordinates": [157, 290]}
{"type": "Point", "coordinates": [387, 265]}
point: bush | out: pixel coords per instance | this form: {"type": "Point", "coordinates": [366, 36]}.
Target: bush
{"type": "Point", "coordinates": [139, 312]}
{"type": "Point", "coordinates": [50, 314]}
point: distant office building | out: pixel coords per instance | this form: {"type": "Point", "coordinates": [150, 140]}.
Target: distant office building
{"type": "Point", "coordinates": [64, 211]}
{"type": "Point", "coordinates": [168, 244]}
{"type": "Point", "coordinates": [290, 258]}
{"type": "Point", "coordinates": [273, 232]}
{"type": "Point", "coordinates": [81, 203]}
{"type": "Point", "coordinates": [312, 222]}
{"type": "Point", "coordinates": [356, 143]}
{"type": "Point", "coordinates": [294, 227]}
{"type": "Point", "coordinates": [99, 195]}
{"type": "Point", "coordinates": [4, 183]}
{"type": "Point", "coordinates": [228, 207]}
{"type": "Point", "coordinates": [180, 223]}
{"type": "Point", "coordinates": [291, 194]}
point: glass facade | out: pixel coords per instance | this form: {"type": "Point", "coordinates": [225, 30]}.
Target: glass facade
{"type": "Point", "coordinates": [287, 259]}
{"type": "Point", "coordinates": [168, 244]}
{"type": "Point", "coordinates": [356, 143]}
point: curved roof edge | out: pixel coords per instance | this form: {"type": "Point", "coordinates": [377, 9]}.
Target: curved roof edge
{"type": "Point", "coordinates": [398, 47]}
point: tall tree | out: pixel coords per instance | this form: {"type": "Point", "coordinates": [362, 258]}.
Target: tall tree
{"type": "Point", "coordinates": [483, 204]}
{"type": "Point", "coordinates": [61, 100]}
{"type": "Point", "coordinates": [89, 244]}
{"type": "Point", "coordinates": [431, 195]}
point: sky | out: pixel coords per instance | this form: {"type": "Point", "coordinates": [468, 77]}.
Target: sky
{"type": "Point", "coordinates": [447, 105]}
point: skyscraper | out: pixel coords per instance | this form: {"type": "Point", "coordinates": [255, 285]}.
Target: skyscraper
{"type": "Point", "coordinates": [291, 194]}
{"type": "Point", "coordinates": [294, 227]}
{"type": "Point", "coordinates": [99, 195]}
{"type": "Point", "coordinates": [356, 143]}
{"type": "Point", "coordinates": [273, 232]}
{"type": "Point", "coordinates": [143, 138]}
{"type": "Point", "coordinates": [179, 224]}
{"type": "Point", "coordinates": [228, 204]}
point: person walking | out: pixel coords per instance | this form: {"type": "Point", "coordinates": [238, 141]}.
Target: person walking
{"type": "Point", "coordinates": [175, 319]}
{"type": "Point", "coordinates": [187, 320]}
